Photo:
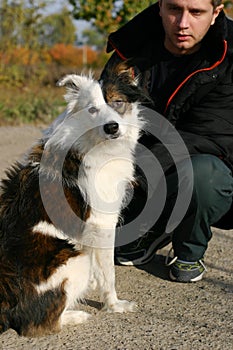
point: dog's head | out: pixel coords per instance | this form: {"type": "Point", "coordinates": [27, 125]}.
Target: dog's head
{"type": "Point", "coordinates": [100, 111]}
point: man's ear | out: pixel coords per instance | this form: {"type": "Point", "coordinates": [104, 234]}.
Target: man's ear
{"type": "Point", "coordinates": [216, 12]}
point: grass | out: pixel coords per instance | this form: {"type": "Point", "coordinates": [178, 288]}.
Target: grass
{"type": "Point", "coordinates": [30, 105]}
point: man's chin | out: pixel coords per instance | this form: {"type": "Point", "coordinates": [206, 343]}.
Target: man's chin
{"type": "Point", "coordinates": [185, 48]}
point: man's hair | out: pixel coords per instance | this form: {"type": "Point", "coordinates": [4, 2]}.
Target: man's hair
{"type": "Point", "coordinates": [215, 3]}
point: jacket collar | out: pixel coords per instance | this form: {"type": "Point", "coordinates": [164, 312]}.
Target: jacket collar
{"type": "Point", "coordinates": [130, 38]}
{"type": "Point", "coordinates": [145, 31]}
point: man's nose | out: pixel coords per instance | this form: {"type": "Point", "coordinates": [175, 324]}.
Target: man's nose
{"type": "Point", "coordinates": [183, 20]}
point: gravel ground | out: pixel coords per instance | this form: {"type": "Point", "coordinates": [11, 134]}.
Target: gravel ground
{"type": "Point", "coordinates": [170, 316]}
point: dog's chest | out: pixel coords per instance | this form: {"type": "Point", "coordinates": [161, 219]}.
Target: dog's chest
{"type": "Point", "coordinates": [105, 181]}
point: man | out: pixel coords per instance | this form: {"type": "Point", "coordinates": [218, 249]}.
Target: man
{"type": "Point", "coordinates": [183, 50]}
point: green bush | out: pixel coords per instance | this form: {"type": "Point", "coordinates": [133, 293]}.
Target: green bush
{"type": "Point", "coordinates": [30, 105]}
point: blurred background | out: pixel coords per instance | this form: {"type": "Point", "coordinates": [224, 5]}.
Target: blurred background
{"type": "Point", "coordinates": [40, 41]}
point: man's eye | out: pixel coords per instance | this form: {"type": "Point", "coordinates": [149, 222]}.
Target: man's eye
{"type": "Point", "coordinates": [174, 8]}
{"type": "Point", "coordinates": [118, 106]}
{"type": "Point", "coordinates": [196, 12]}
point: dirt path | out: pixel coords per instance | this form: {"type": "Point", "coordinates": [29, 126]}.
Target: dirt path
{"type": "Point", "coordinates": [170, 316]}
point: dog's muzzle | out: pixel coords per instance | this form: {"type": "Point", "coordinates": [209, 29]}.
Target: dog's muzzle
{"type": "Point", "coordinates": [112, 129]}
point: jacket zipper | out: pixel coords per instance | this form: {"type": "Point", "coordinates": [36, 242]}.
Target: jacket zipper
{"type": "Point", "coordinates": [192, 74]}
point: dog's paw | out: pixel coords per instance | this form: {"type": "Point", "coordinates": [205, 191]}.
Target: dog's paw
{"type": "Point", "coordinates": [74, 317]}
{"type": "Point", "coordinates": [121, 306]}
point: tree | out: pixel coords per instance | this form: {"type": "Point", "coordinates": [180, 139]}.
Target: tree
{"type": "Point", "coordinates": [58, 28]}
{"type": "Point", "coordinates": [93, 37]}
{"type": "Point", "coordinates": [30, 24]}
{"type": "Point", "coordinates": [107, 15]}
{"type": "Point", "coordinates": [228, 4]}
{"type": "Point", "coordinates": [23, 23]}
{"type": "Point", "coordinates": [10, 19]}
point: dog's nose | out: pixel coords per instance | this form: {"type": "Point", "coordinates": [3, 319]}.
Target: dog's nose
{"type": "Point", "coordinates": [111, 128]}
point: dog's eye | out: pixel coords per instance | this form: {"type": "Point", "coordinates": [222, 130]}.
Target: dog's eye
{"type": "Point", "coordinates": [118, 106]}
{"type": "Point", "coordinates": [92, 110]}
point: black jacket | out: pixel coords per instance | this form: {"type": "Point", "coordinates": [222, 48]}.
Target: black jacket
{"type": "Point", "coordinates": [201, 107]}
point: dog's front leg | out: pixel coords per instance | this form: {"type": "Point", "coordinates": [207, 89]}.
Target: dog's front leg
{"type": "Point", "coordinates": [105, 275]}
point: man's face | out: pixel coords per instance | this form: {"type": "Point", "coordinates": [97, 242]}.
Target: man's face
{"type": "Point", "coordinates": [186, 22]}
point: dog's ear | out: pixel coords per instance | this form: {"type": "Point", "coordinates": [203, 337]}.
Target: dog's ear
{"type": "Point", "coordinates": [70, 81]}
{"type": "Point", "coordinates": [126, 76]}
{"type": "Point", "coordinates": [125, 70]}
{"type": "Point", "coordinates": [124, 67]}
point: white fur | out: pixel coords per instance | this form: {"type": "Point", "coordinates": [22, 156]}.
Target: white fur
{"type": "Point", "coordinates": [106, 170]}
{"type": "Point", "coordinates": [74, 317]}
{"type": "Point", "coordinates": [49, 229]}
{"type": "Point", "coordinates": [76, 272]}
{"type": "Point", "coordinates": [78, 124]}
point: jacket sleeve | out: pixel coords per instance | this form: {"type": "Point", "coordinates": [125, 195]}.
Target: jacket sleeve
{"type": "Point", "coordinates": [208, 126]}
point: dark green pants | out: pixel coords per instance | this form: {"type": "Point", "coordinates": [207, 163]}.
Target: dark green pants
{"type": "Point", "coordinates": [212, 191]}
{"type": "Point", "coordinates": [211, 199]}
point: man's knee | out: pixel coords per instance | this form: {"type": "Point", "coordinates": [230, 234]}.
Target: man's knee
{"type": "Point", "coordinates": [210, 173]}
{"type": "Point", "coordinates": [213, 182]}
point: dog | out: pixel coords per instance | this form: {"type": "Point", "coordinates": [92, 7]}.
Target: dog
{"type": "Point", "coordinates": [60, 207]}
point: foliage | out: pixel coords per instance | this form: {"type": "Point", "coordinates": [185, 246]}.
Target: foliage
{"type": "Point", "coordinates": [107, 15]}
{"type": "Point", "coordinates": [228, 5]}
{"type": "Point", "coordinates": [68, 55]}
{"type": "Point", "coordinates": [23, 23]}
{"type": "Point", "coordinates": [37, 49]}
{"type": "Point", "coordinates": [94, 38]}
{"type": "Point", "coordinates": [30, 105]}
{"type": "Point", "coordinates": [34, 46]}
{"type": "Point", "coordinates": [23, 66]}
{"type": "Point", "coordinates": [20, 22]}
{"type": "Point", "coordinates": [57, 28]}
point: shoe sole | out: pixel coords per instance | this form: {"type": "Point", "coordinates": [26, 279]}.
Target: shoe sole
{"type": "Point", "coordinates": [158, 244]}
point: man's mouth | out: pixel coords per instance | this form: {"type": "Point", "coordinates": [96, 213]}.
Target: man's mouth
{"type": "Point", "coordinates": [183, 37]}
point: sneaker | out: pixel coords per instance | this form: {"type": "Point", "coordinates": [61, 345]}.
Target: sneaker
{"type": "Point", "coordinates": [142, 250]}
{"type": "Point", "coordinates": [185, 271]}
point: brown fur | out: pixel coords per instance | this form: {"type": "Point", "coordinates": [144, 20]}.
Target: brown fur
{"type": "Point", "coordinates": [28, 258]}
